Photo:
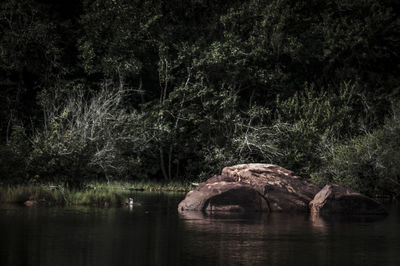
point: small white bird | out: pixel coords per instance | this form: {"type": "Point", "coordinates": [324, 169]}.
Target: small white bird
{"type": "Point", "coordinates": [130, 202]}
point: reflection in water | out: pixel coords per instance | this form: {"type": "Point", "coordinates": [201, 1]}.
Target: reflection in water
{"type": "Point", "coordinates": [154, 234]}
{"type": "Point", "coordinates": [255, 239]}
{"type": "Point", "coordinates": [91, 236]}
{"type": "Point", "coordinates": [292, 239]}
{"type": "Point", "coordinates": [265, 223]}
{"type": "Point", "coordinates": [318, 221]}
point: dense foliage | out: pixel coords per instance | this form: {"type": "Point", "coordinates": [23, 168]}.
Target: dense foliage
{"type": "Point", "coordinates": [156, 89]}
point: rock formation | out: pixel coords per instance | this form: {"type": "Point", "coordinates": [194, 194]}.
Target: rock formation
{"type": "Point", "coordinates": [251, 187]}
{"type": "Point", "coordinates": [30, 203]}
{"type": "Point", "coordinates": [339, 199]}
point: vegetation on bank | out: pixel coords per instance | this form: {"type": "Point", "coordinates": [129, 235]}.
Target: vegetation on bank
{"type": "Point", "coordinates": [171, 90]}
{"type": "Point", "coordinates": [99, 194]}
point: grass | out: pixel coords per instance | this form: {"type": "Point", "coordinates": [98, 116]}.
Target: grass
{"type": "Point", "coordinates": [173, 186]}
{"type": "Point", "coordinates": [22, 193]}
{"type": "Point", "coordinates": [99, 194]}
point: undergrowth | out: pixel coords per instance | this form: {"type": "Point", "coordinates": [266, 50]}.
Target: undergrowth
{"type": "Point", "coordinates": [92, 194]}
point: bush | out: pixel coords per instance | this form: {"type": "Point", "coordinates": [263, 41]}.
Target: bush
{"type": "Point", "coordinates": [248, 137]}
{"type": "Point", "coordinates": [13, 160]}
{"type": "Point", "coordinates": [86, 136]}
{"type": "Point", "coordinates": [310, 116]}
{"type": "Point", "coordinates": [12, 165]}
{"type": "Point", "coordinates": [368, 163]}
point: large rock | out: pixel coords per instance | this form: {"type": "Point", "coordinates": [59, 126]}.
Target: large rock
{"type": "Point", "coordinates": [251, 187]}
{"type": "Point", "coordinates": [339, 199]}
{"type": "Point", "coordinates": [30, 203]}
{"type": "Point", "coordinates": [224, 196]}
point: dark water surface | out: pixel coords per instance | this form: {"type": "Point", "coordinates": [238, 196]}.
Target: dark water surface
{"type": "Point", "coordinates": [155, 234]}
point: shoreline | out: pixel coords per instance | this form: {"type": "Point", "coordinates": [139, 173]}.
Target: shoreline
{"type": "Point", "coordinates": [99, 194]}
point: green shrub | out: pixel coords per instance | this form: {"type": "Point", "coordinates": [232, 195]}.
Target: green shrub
{"type": "Point", "coordinates": [248, 137]}
{"type": "Point", "coordinates": [368, 163]}
{"type": "Point", "coordinates": [13, 159]}
{"type": "Point", "coordinates": [86, 136]}
{"type": "Point", "coordinates": [310, 116]}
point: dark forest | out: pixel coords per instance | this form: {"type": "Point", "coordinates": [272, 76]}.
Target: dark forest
{"type": "Point", "coordinates": [176, 90]}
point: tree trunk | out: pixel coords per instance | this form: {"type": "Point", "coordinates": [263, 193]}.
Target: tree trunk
{"type": "Point", "coordinates": [170, 162]}
{"type": "Point", "coordinates": [162, 164]}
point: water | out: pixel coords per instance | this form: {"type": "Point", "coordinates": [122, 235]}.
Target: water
{"type": "Point", "coordinates": [155, 234]}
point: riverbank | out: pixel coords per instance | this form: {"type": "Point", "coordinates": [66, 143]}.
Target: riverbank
{"type": "Point", "coordinates": [99, 194]}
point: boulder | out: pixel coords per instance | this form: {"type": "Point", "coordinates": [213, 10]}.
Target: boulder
{"type": "Point", "coordinates": [224, 196]}
{"type": "Point", "coordinates": [30, 203]}
{"type": "Point", "coordinates": [339, 199]}
{"type": "Point", "coordinates": [251, 187]}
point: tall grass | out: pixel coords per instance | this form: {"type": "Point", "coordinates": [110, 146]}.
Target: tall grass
{"type": "Point", "coordinates": [22, 193]}
{"type": "Point", "coordinates": [99, 194]}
